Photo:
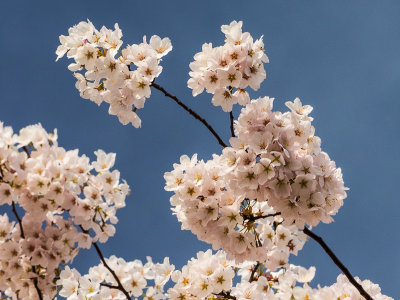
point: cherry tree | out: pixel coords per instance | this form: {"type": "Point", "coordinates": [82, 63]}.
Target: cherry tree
{"type": "Point", "coordinates": [255, 202]}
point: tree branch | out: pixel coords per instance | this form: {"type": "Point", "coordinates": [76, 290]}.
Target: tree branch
{"type": "Point", "coordinates": [252, 218]}
{"type": "Point", "coordinates": [225, 295]}
{"type": "Point", "coordinates": [19, 219]}
{"type": "Point", "coordinates": [109, 286]}
{"type": "Point", "coordinates": [337, 262]}
{"type": "Point", "coordinates": [253, 272]}
{"type": "Point", "coordinates": [231, 118]}
{"type": "Point", "coordinates": [119, 286]}
{"type": "Point", "coordinates": [35, 281]}
{"type": "Point", "coordinates": [26, 151]}
{"type": "Point", "coordinates": [190, 111]}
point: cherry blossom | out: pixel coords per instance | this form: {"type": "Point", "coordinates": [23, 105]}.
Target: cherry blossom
{"type": "Point", "coordinates": [254, 202]}
{"type": "Point", "coordinates": [106, 72]}
{"type": "Point", "coordinates": [226, 71]}
{"type": "Point", "coordinates": [68, 203]}
{"type": "Point", "coordinates": [207, 276]}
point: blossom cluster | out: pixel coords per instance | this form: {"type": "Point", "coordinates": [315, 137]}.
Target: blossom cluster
{"type": "Point", "coordinates": [277, 158]}
{"type": "Point", "coordinates": [119, 77]}
{"type": "Point", "coordinates": [293, 283]}
{"type": "Point", "coordinates": [135, 277]}
{"type": "Point", "coordinates": [67, 203]}
{"type": "Point", "coordinates": [252, 201]}
{"type": "Point", "coordinates": [226, 71]}
{"type": "Point", "coordinates": [255, 198]}
{"type": "Point", "coordinates": [208, 276]}
{"type": "Point", "coordinates": [247, 230]}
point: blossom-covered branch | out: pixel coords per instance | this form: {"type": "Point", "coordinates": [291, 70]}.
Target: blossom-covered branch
{"type": "Point", "coordinates": [35, 281]}
{"type": "Point", "coordinates": [253, 200]}
{"type": "Point", "coordinates": [119, 286]}
{"type": "Point", "coordinates": [58, 192]}
{"type": "Point", "coordinates": [206, 276]}
{"type": "Point", "coordinates": [119, 77]}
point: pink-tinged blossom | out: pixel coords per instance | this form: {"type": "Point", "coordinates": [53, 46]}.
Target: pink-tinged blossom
{"type": "Point", "coordinates": [262, 190]}
{"type": "Point", "coordinates": [226, 71]}
{"type": "Point", "coordinates": [205, 276]}
{"type": "Point", "coordinates": [67, 203]}
{"type": "Point", "coordinates": [106, 72]}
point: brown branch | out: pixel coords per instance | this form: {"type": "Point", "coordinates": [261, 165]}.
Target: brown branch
{"type": "Point", "coordinates": [253, 272]}
{"type": "Point", "coordinates": [252, 218]}
{"type": "Point", "coordinates": [120, 286]}
{"type": "Point", "coordinates": [109, 286]}
{"type": "Point", "coordinates": [231, 118]}
{"type": "Point", "coordinates": [190, 111]}
{"type": "Point", "coordinates": [19, 219]}
{"type": "Point", "coordinates": [26, 151]}
{"type": "Point", "coordinates": [225, 295]}
{"type": "Point", "coordinates": [35, 283]}
{"type": "Point", "coordinates": [337, 262]}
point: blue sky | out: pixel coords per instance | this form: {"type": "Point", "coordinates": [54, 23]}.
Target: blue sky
{"type": "Point", "coordinates": [342, 57]}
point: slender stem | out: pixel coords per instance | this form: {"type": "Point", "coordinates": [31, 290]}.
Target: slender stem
{"type": "Point", "coordinates": [337, 262]}
{"type": "Point", "coordinates": [251, 218]}
{"type": "Point", "coordinates": [191, 111]}
{"type": "Point", "coordinates": [35, 281]}
{"type": "Point", "coordinates": [253, 272]}
{"type": "Point", "coordinates": [26, 151]}
{"type": "Point", "coordinates": [109, 286]}
{"type": "Point", "coordinates": [231, 118]}
{"type": "Point", "coordinates": [225, 295]}
{"type": "Point", "coordinates": [19, 219]}
{"type": "Point", "coordinates": [120, 287]}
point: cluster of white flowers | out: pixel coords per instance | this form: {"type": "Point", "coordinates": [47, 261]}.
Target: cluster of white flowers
{"type": "Point", "coordinates": [119, 77]}
{"type": "Point", "coordinates": [277, 158]}
{"type": "Point", "coordinates": [207, 204]}
{"type": "Point", "coordinates": [208, 276]}
{"type": "Point", "coordinates": [283, 285]}
{"type": "Point", "coordinates": [59, 192]}
{"type": "Point", "coordinates": [227, 71]}
{"type": "Point", "coordinates": [135, 277]}
{"type": "Point", "coordinates": [275, 172]}
{"type": "Point", "coordinates": [252, 201]}
{"type": "Point", "coordinates": [203, 277]}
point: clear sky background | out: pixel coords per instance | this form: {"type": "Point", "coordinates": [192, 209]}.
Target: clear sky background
{"type": "Point", "coordinates": [342, 57]}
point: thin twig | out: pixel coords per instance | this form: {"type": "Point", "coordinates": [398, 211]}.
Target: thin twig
{"type": "Point", "coordinates": [26, 151]}
{"type": "Point", "coordinates": [253, 272]}
{"type": "Point", "coordinates": [251, 218]}
{"type": "Point", "coordinates": [225, 295]}
{"type": "Point", "coordinates": [231, 118]}
{"type": "Point", "coordinates": [19, 219]}
{"type": "Point", "coordinates": [191, 111]}
{"type": "Point", "coordinates": [120, 286]}
{"type": "Point", "coordinates": [109, 286]}
{"type": "Point", "coordinates": [337, 262]}
{"type": "Point", "coordinates": [35, 283]}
